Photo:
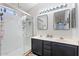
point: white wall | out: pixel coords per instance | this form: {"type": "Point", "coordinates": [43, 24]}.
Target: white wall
{"type": "Point", "coordinates": [77, 20]}
{"type": "Point", "coordinates": [56, 33]}
{"type": "Point", "coordinates": [76, 30]}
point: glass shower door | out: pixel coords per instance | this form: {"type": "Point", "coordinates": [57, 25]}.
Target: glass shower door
{"type": "Point", "coordinates": [28, 32]}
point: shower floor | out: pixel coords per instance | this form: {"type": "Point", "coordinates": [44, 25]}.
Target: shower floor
{"type": "Point", "coordinates": [17, 52]}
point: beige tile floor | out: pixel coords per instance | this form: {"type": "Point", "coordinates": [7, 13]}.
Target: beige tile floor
{"type": "Point", "coordinates": [29, 53]}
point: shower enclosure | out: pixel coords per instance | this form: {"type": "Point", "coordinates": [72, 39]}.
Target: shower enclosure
{"type": "Point", "coordinates": [27, 23]}
{"type": "Point", "coordinates": [17, 32]}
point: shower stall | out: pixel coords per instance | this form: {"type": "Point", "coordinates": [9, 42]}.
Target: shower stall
{"type": "Point", "coordinates": [17, 33]}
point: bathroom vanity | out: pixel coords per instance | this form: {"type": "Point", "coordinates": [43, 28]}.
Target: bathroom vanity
{"type": "Point", "coordinates": [42, 46]}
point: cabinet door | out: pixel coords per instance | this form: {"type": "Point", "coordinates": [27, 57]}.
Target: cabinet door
{"type": "Point", "coordinates": [37, 46]}
{"type": "Point", "coordinates": [59, 49]}
{"type": "Point", "coordinates": [70, 50]}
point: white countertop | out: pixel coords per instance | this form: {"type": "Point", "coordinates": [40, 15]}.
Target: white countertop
{"type": "Point", "coordinates": [67, 41]}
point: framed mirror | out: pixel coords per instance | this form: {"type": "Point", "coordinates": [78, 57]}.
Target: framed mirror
{"type": "Point", "coordinates": [62, 20]}
{"type": "Point", "coordinates": [42, 22]}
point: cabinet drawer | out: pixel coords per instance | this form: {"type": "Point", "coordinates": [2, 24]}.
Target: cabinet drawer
{"type": "Point", "coordinates": [47, 43]}
{"type": "Point", "coordinates": [48, 47]}
{"type": "Point", "coordinates": [46, 52]}
{"type": "Point", "coordinates": [57, 51]}
{"type": "Point", "coordinates": [39, 53]}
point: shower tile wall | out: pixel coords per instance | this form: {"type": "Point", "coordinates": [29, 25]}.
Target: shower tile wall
{"type": "Point", "coordinates": [12, 40]}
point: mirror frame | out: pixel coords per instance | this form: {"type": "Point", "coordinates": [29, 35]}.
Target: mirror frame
{"type": "Point", "coordinates": [69, 21]}
{"type": "Point", "coordinates": [42, 21]}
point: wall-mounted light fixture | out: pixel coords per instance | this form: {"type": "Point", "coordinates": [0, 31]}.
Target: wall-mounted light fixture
{"type": "Point", "coordinates": [54, 8]}
{"type": "Point", "coordinates": [1, 14]}
{"type": "Point", "coordinates": [2, 11]}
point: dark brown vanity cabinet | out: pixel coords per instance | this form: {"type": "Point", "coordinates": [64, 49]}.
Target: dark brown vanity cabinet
{"type": "Point", "coordinates": [49, 48]}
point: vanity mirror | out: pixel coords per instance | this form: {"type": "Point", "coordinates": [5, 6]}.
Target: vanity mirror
{"type": "Point", "coordinates": [62, 20]}
{"type": "Point", "coordinates": [42, 22]}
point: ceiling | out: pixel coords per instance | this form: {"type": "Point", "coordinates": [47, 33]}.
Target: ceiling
{"type": "Point", "coordinates": [23, 6]}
